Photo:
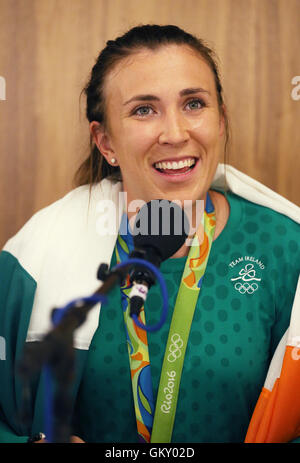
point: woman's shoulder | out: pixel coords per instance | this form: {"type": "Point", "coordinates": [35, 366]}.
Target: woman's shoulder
{"type": "Point", "coordinates": [68, 208]}
{"type": "Point", "coordinates": [259, 198]}
{"type": "Point", "coordinates": [61, 224]}
{"type": "Point", "coordinates": [266, 215]}
{"type": "Point", "coordinates": [270, 229]}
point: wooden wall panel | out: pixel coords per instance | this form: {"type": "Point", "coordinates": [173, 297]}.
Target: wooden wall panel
{"type": "Point", "coordinates": [47, 48]}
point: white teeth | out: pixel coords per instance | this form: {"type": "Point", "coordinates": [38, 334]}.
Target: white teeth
{"type": "Point", "coordinates": [175, 165]}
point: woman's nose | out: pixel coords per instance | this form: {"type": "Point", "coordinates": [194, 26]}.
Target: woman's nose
{"type": "Point", "coordinates": [173, 129]}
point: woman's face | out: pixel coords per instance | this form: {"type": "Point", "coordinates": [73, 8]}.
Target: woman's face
{"type": "Point", "coordinates": [164, 126]}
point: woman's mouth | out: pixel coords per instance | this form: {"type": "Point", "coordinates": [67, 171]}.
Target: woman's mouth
{"type": "Point", "coordinates": [176, 170]}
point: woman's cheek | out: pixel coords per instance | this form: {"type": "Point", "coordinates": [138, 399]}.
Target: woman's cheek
{"type": "Point", "coordinates": [206, 132]}
{"type": "Point", "coordinates": [140, 133]}
{"type": "Point", "coordinates": [195, 124]}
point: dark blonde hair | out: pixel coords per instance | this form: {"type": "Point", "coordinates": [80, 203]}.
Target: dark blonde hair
{"type": "Point", "coordinates": [95, 167]}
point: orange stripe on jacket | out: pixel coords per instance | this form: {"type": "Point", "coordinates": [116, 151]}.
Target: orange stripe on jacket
{"type": "Point", "coordinates": [276, 417]}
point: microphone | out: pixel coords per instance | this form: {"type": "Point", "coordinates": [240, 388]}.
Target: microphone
{"type": "Point", "coordinates": [161, 228]}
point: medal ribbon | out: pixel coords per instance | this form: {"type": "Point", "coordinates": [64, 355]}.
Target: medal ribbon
{"type": "Point", "coordinates": [158, 426]}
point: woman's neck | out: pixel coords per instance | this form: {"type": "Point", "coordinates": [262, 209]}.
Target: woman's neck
{"type": "Point", "coordinates": [222, 210]}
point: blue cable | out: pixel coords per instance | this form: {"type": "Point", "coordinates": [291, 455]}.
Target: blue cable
{"type": "Point", "coordinates": [57, 316]}
{"type": "Point", "coordinates": [163, 288]}
{"type": "Point", "coordinates": [59, 313]}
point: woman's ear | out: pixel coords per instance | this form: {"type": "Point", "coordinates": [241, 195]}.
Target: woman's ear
{"type": "Point", "coordinates": [103, 142]}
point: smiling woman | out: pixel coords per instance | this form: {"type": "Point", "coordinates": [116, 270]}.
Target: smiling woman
{"type": "Point", "coordinates": [149, 40]}
{"type": "Point", "coordinates": [159, 129]}
{"type": "Point", "coordinates": [181, 123]}
{"type": "Point", "coordinates": [165, 135]}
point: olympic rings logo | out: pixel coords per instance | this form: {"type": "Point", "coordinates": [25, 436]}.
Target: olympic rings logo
{"type": "Point", "coordinates": [245, 275]}
{"type": "Point", "coordinates": [248, 288]}
{"type": "Point", "coordinates": [175, 348]}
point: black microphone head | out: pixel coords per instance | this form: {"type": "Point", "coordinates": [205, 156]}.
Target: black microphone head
{"type": "Point", "coordinates": [161, 225]}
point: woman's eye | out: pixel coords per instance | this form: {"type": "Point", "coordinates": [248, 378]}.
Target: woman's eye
{"type": "Point", "coordinates": [195, 104]}
{"type": "Point", "coordinates": [142, 111]}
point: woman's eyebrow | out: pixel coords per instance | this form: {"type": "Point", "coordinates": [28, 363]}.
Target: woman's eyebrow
{"type": "Point", "coordinates": [192, 91]}
{"type": "Point", "coordinates": [142, 98]}
{"type": "Point", "coordinates": [184, 92]}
